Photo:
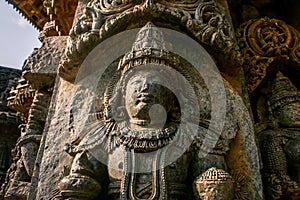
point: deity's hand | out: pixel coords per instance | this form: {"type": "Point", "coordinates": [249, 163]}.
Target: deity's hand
{"type": "Point", "coordinates": [292, 189]}
{"type": "Point", "coordinates": [274, 187]}
{"type": "Point", "coordinates": [79, 187]}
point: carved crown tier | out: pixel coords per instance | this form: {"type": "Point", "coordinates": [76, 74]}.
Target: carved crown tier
{"type": "Point", "coordinates": [207, 21]}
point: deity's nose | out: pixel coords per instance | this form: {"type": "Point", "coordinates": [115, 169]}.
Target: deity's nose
{"type": "Point", "coordinates": [145, 85]}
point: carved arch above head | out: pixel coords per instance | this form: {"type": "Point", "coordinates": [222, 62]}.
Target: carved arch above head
{"type": "Point", "coordinates": [268, 46]}
{"type": "Point", "coordinates": [208, 21]}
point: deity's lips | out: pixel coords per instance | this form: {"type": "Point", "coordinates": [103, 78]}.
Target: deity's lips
{"type": "Point", "coordinates": [144, 97]}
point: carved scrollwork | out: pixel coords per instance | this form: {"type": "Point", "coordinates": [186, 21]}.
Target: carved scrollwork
{"type": "Point", "coordinates": [115, 6]}
{"type": "Point", "coordinates": [295, 52]}
{"type": "Point", "coordinates": [189, 5]}
{"type": "Point", "coordinates": [211, 25]}
{"type": "Point", "coordinates": [270, 37]}
{"type": "Point", "coordinates": [264, 41]}
{"type": "Point", "coordinates": [205, 19]}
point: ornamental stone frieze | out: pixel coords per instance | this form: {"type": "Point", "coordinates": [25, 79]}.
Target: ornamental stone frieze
{"type": "Point", "coordinates": [208, 21]}
{"type": "Point", "coordinates": [40, 68]}
{"type": "Point", "coordinates": [61, 15]}
{"type": "Point", "coordinates": [20, 98]}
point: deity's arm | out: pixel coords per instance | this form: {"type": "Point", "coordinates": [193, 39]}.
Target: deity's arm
{"type": "Point", "coordinates": [231, 155]}
{"type": "Point", "coordinates": [86, 179]}
{"type": "Point", "coordinates": [275, 165]}
{"type": "Point", "coordinates": [272, 153]}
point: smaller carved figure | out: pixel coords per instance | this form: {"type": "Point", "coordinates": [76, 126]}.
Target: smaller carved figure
{"type": "Point", "coordinates": [280, 144]}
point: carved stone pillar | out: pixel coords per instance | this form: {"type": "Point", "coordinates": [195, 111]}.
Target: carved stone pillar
{"type": "Point", "coordinates": [40, 74]}
{"type": "Point", "coordinates": [9, 119]}
{"type": "Point", "coordinates": [17, 179]}
{"type": "Point", "coordinates": [4, 160]}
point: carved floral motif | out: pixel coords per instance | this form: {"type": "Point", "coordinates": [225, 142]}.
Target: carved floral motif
{"type": "Point", "coordinates": [263, 42]}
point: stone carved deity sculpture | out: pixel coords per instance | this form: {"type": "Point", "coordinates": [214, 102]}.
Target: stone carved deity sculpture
{"type": "Point", "coordinates": [280, 143]}
{"type": "Point", "coordinates": [147, 153]}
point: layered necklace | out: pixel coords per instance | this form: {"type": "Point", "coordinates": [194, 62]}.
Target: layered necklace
{"type": "Point", "coordinates": [143, 140]}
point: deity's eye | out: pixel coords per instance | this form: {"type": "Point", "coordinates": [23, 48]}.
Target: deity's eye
{"type": "Point", "coordinates": [135, 79]}
{"type": "Point", "coordinates": [135, 82]}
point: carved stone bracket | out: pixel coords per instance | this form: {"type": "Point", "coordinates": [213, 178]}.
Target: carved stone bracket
{"type": "Point", "coordinates": [21, 98]}
{"type": "Point", "coordinates": [263, 42]}
{"type": "Point", "coordinates": [49, 29]}
{"type": "Point", "coordinates": [61, 14]}
{"type": "Point", "coordinates": [207, 20]}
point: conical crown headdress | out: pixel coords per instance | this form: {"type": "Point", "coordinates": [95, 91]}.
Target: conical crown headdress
{"type": "Point", "coordinates": [283, 92]}
{"type": "Point", "coordinates": [149, 37]}
{"type": "Point", "coordinates": [148, 48]}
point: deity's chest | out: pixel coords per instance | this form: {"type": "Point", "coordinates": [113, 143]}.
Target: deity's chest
{"type": "Point", "coordinates": [291, 146]}
{"type": "Point", "coordinates": [292, 151]}
{"type": "Point", "coordinates": [167, 180]}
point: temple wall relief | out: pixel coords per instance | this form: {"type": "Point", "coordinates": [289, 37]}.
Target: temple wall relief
{"type": "Point", "coordinates": [83, 117]}
{"type": "Point", "coordinates": [157, 100]}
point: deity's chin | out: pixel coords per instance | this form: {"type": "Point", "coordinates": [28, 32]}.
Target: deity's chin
{"type": "Point", "coordinates": [140, 124]}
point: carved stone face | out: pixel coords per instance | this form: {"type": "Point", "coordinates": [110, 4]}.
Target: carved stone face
{"type": "Point", "coordinates": [289, 115]}
{"type": "Point", "coordinates": [146, 98]}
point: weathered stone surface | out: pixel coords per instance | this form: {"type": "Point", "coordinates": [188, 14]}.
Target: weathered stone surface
{"type": "Point", "coordinates": [40, 71]}
{"type": "Point", "coordinates": [260, 72]}
{"type": "Point", "coordinates": [86, 173]}
{"type": "Point", "coordinates": [20, 98]}
{"type": "Point", "coordinates": [50, 164]}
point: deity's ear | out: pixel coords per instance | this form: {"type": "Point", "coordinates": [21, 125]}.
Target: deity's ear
{"type": "Point", "coordinates": [115, 113]}
{"type": "Point", "coordinates": [115, 110]}
{"type": "Point", "coordinates": [176, 114]}
{"type": "Point", "coordinates": [108, 113]}
{"type": "Point", "coordinates": [119, 113]}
